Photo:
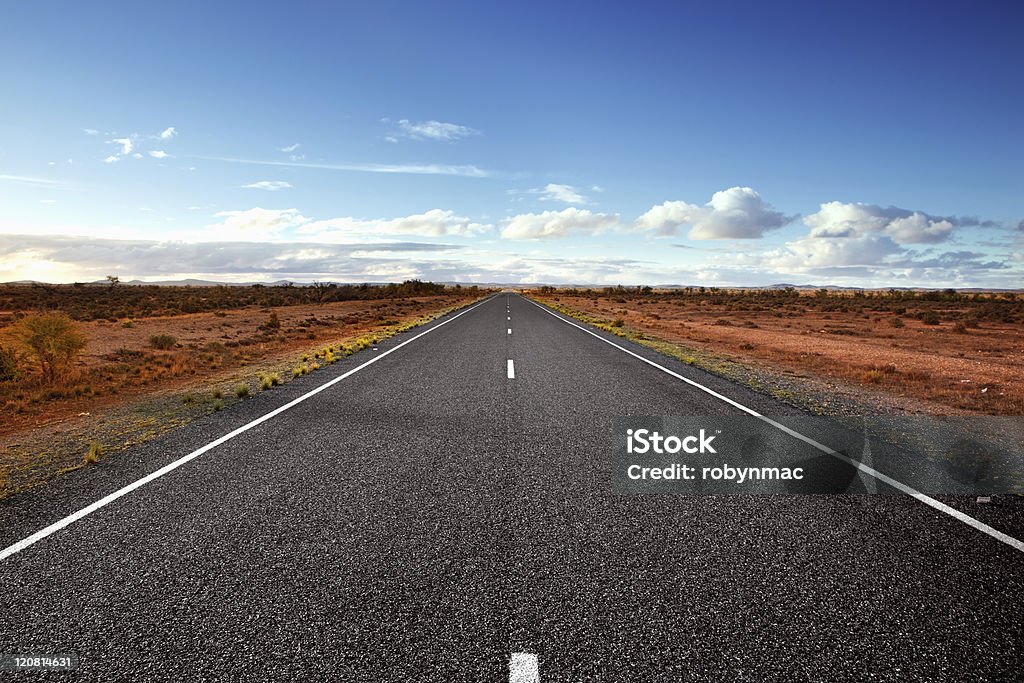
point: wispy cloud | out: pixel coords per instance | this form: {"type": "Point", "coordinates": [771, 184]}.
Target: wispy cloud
{"type": "Point", "coordinates": [90, 131]}
{"type": "Point", "coordinates": [168, 133]}
{"type": "Point", "coordinates": [430, 130]}
{"type": "Point", "coordinates": [290, 148]}
{"type": "Point", "coordinates": [159, 154]}
{"type": "Point", "coordinates": [269, 185]}
{"type": "Point", "coordinates": [467, 171]}
{"type": "Point", "coordinates": [28, 179]}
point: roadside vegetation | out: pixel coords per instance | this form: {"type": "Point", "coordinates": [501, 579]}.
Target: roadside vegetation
{"type": "Point", "coordinates": [115, 301]}
{"type": "Point", "coordinates": [961, 350]}
{"type": "Point", "coordinates": [68, 377]}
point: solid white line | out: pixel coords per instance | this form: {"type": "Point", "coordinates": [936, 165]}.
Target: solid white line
{"type": "Point", "coordinates": [511, 369]}
{"type": "Point", "coordinates": [170, 467]}
{"type": "Point", "coordinates": [523, 668]}
{"type": "Point", "coordinates": [914, 493]}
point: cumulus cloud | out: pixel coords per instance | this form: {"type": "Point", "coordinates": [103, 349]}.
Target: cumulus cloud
{"type": "Point", "coordinates": [113, 158]}
{"type": "Point", "coordinates": [735, 213]}
{"type": "Point", "coordinates": [813, 252]}
{"type": "Point", "coordinates": [167, 133]}
{"type": "Point", "coordinates": [258, 222]}
{"type": "Point", "coordinates": [159, 154]}
{"type": "Point", "coordinates": [556, 224]}
{"type": "Point", "coordinates": [269, 185]}
{"type": "Point", "coordinates": [839, 219]}
{"type": "Point", "coordinates": [560, 193]}
{"type": "Point", "coordinates": [433, 130]}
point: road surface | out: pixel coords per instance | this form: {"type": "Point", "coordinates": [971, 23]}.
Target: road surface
{"type": "Point", "coordinates": [444, 513]}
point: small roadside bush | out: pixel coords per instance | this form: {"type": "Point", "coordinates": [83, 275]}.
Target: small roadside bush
{"type": "Point", "coordinates": [94, 453]}
{"type": "Point", "coordinates": [618, 322]}
{"type": "Point", "coordinates": [272, 323]}
{"type": "Point", "coordinates": [872, 377]}
{"type": "Point", "coordinates": [269, 380]}
{"type": "Point", "coordinates": [241, 390]}
{"type": "Point", "coordinates": [9, 370]}
{"type": "Point", "coordinates": [162, 341]}
{"type": "Point", "coordinates": [55, 340]}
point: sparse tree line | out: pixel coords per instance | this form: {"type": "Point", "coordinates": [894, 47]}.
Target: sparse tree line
{"type": "Point", "coordinates": [930, 306]}
{"type": "Point", "coordinates": [116, 300]}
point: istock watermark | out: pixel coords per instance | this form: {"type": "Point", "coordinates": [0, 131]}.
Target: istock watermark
{"type": "Point", "coordinates": [753, 455]}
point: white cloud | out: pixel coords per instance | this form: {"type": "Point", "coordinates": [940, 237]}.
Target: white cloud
{"type": "Point", "coordinates": [434, 130]}
{"type": "Point", "coordinates": [815, 252]}
{"type": "Point", "coordinates": [113, 158]}
{"type": "Point", "coordinates": [127, 144]}
{"type": "Point", "coordinates": [27, 179]}
{"type": "Point", "coordinates": [432, 223]}
{"type": "Point", "coordinates": [289, 148]}
{"type": "Point", "coordinates": [168, 133]}
{"type": "Point", "coordinates": [465, 171]}
{"type": "Point", "coordinates": [258, 222]}
{"type": "Point", "coordinates": [838, 219]}
{"type": "Point", "coordinates": [735, 213]}
{"type": "Point", "coordinates": [159, 154]}
{"type": "Point", "coordinates": [557, 224]}
{"type": "Point", "coordinates": [269, 185]}
{"type": "Point", "coordinates": [560, 193]}
{"type": "Point", "coordinates": [90, 131]}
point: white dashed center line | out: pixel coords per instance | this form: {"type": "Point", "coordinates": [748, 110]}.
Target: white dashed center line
{"type": "Point", "coordinates": [510, 330]}
{"type": "Point", "coordinates": [511, 369]}
{"type": "Point", "coordinates": [522, 668]}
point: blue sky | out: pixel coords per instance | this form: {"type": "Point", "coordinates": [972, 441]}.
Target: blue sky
{"type": "Point", "coordinates": [747, 144]}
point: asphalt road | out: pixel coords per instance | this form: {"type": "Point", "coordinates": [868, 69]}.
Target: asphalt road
{"type": "Point", "coordinates": [431, 518]}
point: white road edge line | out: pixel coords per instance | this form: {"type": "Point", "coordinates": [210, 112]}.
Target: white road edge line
{"type": "Point", "coordinates": [523, 668]}
{"type": "Point", "coordinates": [511, 369]}
{"type": "Point", "coordinates": [170, 467]}
{"type": "Point", "coordinates": [899, 486]}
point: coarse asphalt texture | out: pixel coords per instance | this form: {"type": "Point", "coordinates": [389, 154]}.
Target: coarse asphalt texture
{"type": "Point", "coordinates": [426, 517]}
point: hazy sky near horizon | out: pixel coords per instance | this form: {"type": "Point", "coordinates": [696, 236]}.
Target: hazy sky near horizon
{"type": "Point", "coordinates": [847, 143]}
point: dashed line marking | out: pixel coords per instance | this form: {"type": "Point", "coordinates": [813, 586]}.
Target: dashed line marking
{"type": "Point", "coordinates": [510, 330]}
{"type": "Point", "coordinates": [511, 369]}
{"type": "Point", "coordinates": [523, 668]}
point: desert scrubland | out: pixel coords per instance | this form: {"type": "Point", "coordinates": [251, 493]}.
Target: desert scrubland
{"type": "Point", "coordinates": [959, 351]}
{"type": "Point", "coordinates": [88, 369]}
